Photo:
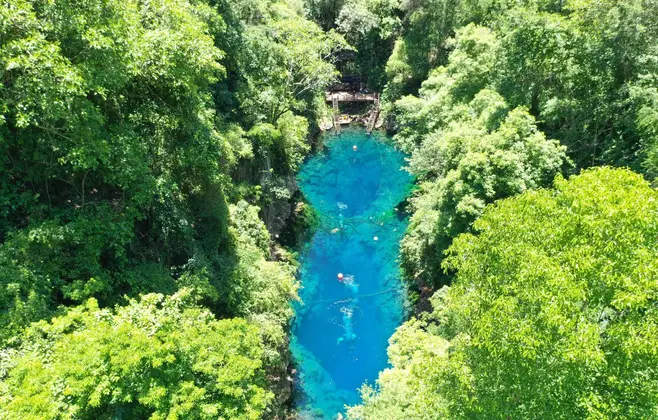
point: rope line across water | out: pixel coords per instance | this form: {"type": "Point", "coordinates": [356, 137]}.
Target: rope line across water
{"type": "Point", "coordinates": [352, 298]}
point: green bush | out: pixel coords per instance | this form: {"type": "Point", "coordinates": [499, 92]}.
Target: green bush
{"type": "Point", "coordinates": [551, 315]}
{"type": "Point", "coordinates": [161, 357]}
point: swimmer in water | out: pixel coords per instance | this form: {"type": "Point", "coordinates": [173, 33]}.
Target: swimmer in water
{"type": "Point", "coordinates": [348, 281]}
{"type": "Point", "coordinates": [349, 335]}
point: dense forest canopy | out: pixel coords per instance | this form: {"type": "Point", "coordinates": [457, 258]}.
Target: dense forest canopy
{"type": "Point", "coordinates": [144, 145]}
{"type": "Point", "coordinates": [159, 358]}
{"type": "Point", "coordinates": [552, 313]}
{"type": "Point", "coordinates": [543, 305]}
{"type": "Point", "coordinates": [148, 153]}
{"type": "Point", "coordinates": [585, 71]}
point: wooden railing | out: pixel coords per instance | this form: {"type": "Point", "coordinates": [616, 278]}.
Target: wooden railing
{"type": "Point", "coordinates": [372, 121]}
{"type": "Point", "coordinates": [349, 96]}
{"type": "Point", "coordinates": [336, 113]}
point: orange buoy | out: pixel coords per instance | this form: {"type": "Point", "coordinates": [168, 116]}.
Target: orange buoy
{"type": "Point", "coordinates": [354, 147]}
{"type": "Point", "coordinates": [340, 276]}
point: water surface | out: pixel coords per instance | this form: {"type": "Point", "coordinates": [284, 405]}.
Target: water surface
{"type": "Point", "coordinates": [342, 328]}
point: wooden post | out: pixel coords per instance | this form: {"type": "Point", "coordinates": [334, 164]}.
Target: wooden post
{"type": "Point", "coordinates": [336, 113]}
{"type": "Point", "coordinates": [372, 121]}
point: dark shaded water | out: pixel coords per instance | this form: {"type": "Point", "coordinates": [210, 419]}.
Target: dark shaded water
{"type": "Point", "coordinates": [342, 328]}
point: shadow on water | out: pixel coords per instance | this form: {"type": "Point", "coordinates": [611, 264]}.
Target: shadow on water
{"type": "Point", "coordinates": [342, 327]}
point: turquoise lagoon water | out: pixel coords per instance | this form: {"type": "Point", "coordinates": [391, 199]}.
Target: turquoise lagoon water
{"type": "Point", "coordinates": [342, 328]}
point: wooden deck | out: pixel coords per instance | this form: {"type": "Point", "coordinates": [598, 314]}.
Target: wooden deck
{"type": "Point", "coordinates": [344, 96]}
{"type": "Point", "coordinates": [338, 119]}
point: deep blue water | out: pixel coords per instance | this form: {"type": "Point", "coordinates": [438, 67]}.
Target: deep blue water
{"type": "Point", "coordinates": [342, 328]}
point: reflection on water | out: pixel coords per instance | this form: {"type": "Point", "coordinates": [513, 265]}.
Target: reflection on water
{"type": "Point", "coordinates": [352, 297]}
